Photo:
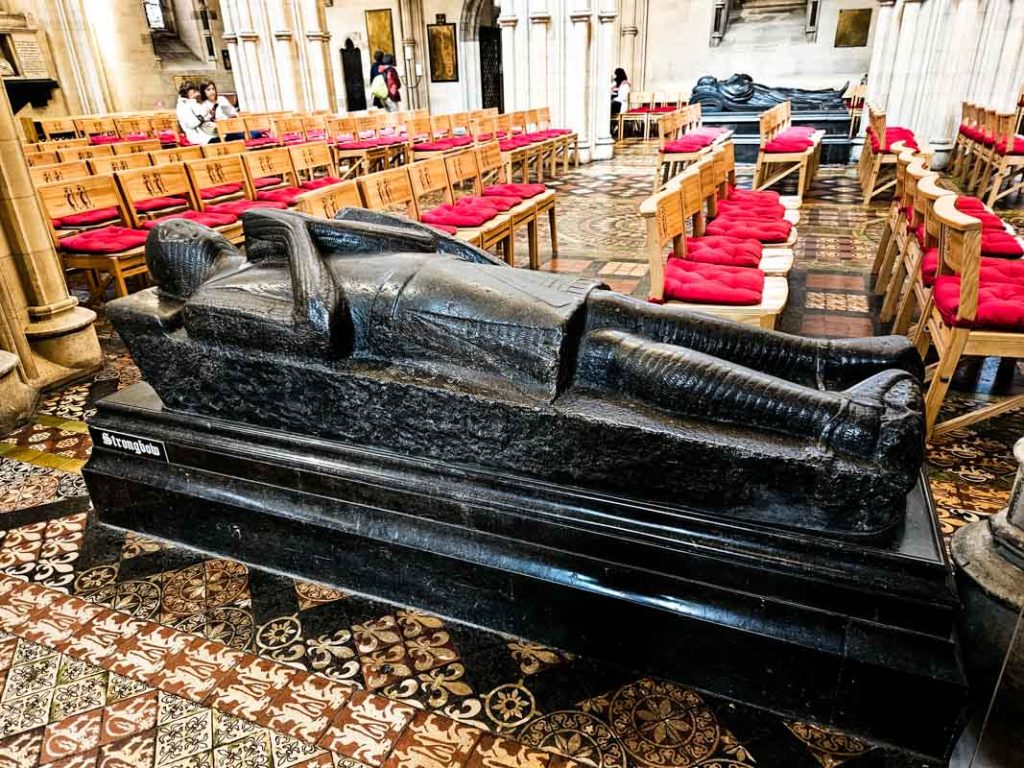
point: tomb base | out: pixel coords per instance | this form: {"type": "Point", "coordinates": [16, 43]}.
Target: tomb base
{"type": "Point", "coordinates": [835, 146]}
{"type": "Point", "coordinates": [860, 636]}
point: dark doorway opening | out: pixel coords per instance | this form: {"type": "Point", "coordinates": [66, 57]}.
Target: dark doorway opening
{"type": "Point", "coordinates": [352, 71]}
{"type": "Point", "coordinates": [491, 80]}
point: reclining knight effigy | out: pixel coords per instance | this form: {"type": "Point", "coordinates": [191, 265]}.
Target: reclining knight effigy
{"type": "Point", "coordinates": [372, 330]}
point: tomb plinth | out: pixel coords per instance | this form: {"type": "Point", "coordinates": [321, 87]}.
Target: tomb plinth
{"type": "Point", "coordinates": [367, 403]}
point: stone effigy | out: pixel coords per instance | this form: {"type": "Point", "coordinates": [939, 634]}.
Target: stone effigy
{"type": "Point", "coordinates": [358, 331]}
{"type": "Point", "coordinates": [739, 93]}
{"type": "Point", "coordinates": [369, 403]}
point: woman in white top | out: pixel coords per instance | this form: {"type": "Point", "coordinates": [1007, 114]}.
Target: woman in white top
{"type": "Point", "coordinates": [620, 95]}
{"type": "Point", "coordinates": [195, 121]}
{"type": "Point", "coordinates": [218, 106]}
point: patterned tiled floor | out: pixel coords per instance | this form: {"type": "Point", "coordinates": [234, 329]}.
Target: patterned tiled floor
{"type": "Point", "coordinates": [117, 650]}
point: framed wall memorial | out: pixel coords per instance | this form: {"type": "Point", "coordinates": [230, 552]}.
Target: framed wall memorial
{"type": "Point", "coordinates": [442, 46]}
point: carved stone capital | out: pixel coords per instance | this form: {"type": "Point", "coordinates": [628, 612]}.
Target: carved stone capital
{"type": "Point", "coordinates": [248, 37]}
{"type": "Point", "coordinates": [630, 31]}
{"type": "Point", "coordinates": [607, 17]}
{"type": "Point", "coordinates": [508, 21]}
{"type": "Point", "coordinates": [542, 17]}
{"type": "Point", "coordinates": [580, 16]}
{"type": "Point", "coordinates": [231, 39]}
{"type": "Point", "coordinates": [283, 34]}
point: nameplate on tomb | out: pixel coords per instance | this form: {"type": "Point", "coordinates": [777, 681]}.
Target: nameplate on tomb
{"type": "Point", "coordinates": [31, 61]}
{"type": "Point", "coordinates": [142, 447]}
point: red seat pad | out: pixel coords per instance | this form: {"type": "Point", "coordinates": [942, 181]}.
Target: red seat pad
{"type": "Point", "coordinates": [800, 130]}
{"type": "Point", "coordinates": [159, 203]}
{"type": "Point", "coordinates": [87, 219]}
{"type": "Point", "coordinates": [712, 284]}
{"type": "Point", "coordinates": [741, 209]}
{"type": "Point", "coordinates": [707, 130]}
{"type": "Point", "coordinates": [316, 135]}
{"type": "Point", "coordinates": [968, 203]}
{"type": "Point", "coordinates": [795, 144]}
{"type": "Point", "coordinates": [267, 181]}
{"type": "Point", "coordinates": [237, 207]}
{"type": "Point", "coordinates": [727, 251]}
{"type": "Point", "coordinates": [262, 141]}
{"type": "Point", "coordinates": [735, 193]}
{"type": "Point", "coordinates": [522, 191]}
{"type": "Point", "coordinates": [892, 135]}
{"type": "Point", "coordinates": [751, 229]}
{"type": "Point", "coordinates": [441, 145]}
{"type": "Point", "coordinates": [220, 190]}
{"type": "Point", "coordinates": [167, 137]}
{"type": "Point", "coordinates": [1017, 149]}
{"type": "Point", "coordinates": [323, 181]}
{"type": "Point", "coordinates": [286, 195]}
{"type": "Point", "coordinates": [459, 215]}
{"type": "Point", "coordinates": [1000, 305]}
{"type": "Point", "coordinates": [1001, 243]}
{"type": "Point", "coordinates": [687, 144]}
{"type": "Point", "coordinates": [507, 145]}
{"type": "Point", "coordinates": [498, 202]}
{"type": "Point", "coordinates": [446, 228]}
{"type": "Point", "coordinates": [991, 270]}
{"type": "Point", "coordinates": [110, 239]}
{"type": "Point", "coordinates": [293, 137]}
{"type": "Point", "coordinates": [105, 140]}
{"type": "Point", "coordinates": [206, 218]}
{"type": "Point", "coordinates": [357, 145]}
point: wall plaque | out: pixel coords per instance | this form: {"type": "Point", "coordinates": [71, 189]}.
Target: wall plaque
{"type": "Point", "coordinates": [853, 28]}
{"type": "Point", "coordinates": [29, 54]}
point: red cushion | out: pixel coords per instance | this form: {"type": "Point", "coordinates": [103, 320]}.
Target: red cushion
{"type": "Point", "coordinates": [799, 130]}
{"type": "Point", "coordinates": [286, 195]}
{"type": "Point", "coordinates": [237, 207]}
{"type": "Point", "coordinates": [498, 202]}
{"type": "Point", "coordinates": [323, 181]}
{"type": "Point", "coordinates": [1018, 146]}
{"type": "Point", "coordinates": [711, 284]}
{"type": "Point", "coordinates": [995, 243]}
{"type": "Point", "coordinates": [1000, 305]}
{"type": "Point", "coordinates": [775, 231]}
{"type": "Point", "coordinates": [522, 191]}
{"type": "Point", "coordinates": [687, 144]}
{"type": "Point", "coordinates": [991, 270]}
{"type": "Point", "coordinates": [795, 144]}
{"type": "Point", "coordinates": [317, 134]}
{"type": "Point", "coordinates": [441, 145]}
{"type": "Point", "coordinates": [110, 239]}
{"type": "Point", "coordinates": [167, 137]}
{"type": "Point", "coordinates": [105, 139]}
{"type": "Point", "coordinates": [293, 137]}
{"type": "Point", "coordinates": [968, 203]}
{"type": "Point", "coordinates": [220, 190]}
{"type": "Point", "coordinates": [446, 228]}
{"type": "Point", "coordinates": [506, 145]}
{"type": "Point", "coordinates": [206, 218]}
{"type": "Point", "coordinates": [735, 193]}
{"type": "Point", "coordinates": [267, 181]}
{"type": "Point", "coordinates": [159, 203]}
{"type": "Point", "coordinates": [357, 145]}
{"type": "Point", "coordinates": [892, 135]}
{"type": "Point", "coordinates": [724, 250]}
{"type": "Point", "coordinates": [97, 216]}
{"type": "Point", "coordinates": [751, 209]}
{"type": "Point", "coordinates": [459, 216]}
{"type": "Point", "coordinates": [262, 141]}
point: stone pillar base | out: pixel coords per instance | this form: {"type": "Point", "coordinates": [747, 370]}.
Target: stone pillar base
{"type": "Point", "coordinates": [65, 346]}
{"type": "Point", "coordinates": [17, 399]}
{"type": "Point", "coordinates": [603, 149]}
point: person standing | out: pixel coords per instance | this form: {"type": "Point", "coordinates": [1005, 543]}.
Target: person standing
{"type": "Point", "coordinates": [620, 95]}
{"type": "Point", "coordinates": [393, 82]}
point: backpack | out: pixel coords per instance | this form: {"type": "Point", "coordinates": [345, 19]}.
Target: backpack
{"type": "Point", "coordinates": [394, 83]}
{"type": "Point", "coordinates": [379, 87]}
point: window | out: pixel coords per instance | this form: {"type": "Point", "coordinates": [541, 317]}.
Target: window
{"type": "Point", "coordinates": [154, 14]}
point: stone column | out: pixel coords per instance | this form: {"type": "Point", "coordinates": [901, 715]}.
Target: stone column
{"type": "Point", "coordinates": [523, 70]}
{"type": "Point", "coordinates": [17, 396]}
{"type": "Point", "coordinates": [320, 75]}
{"type": "Point", "coordinates": [59, 341]}
{"type": "Point", "coordinates": [577, 49]}
{"type": "Point", "coordinates": [883, 52]}
{"type": "Point", "coordinates": [413, 32]}
{"type": "Point", "coordinates": [283, 69]}
{"type": "Point", "coordinates": [249, 58]}
{"type": "Point", "coordinates": [508, 22]}
{"type": "Point", "coordinates": [601, 108]}
{"type": "Point", "coordinates": [540, 75]}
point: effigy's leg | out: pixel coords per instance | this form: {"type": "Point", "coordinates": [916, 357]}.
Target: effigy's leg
{"type": "Point", "coordinates": [878, 418]}
{"type": "Point", "coordinates": [821, 363]}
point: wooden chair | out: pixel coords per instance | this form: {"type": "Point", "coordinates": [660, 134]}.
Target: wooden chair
{"type": "Point", "coordinates": [314, 127]}
{"type": "Point", "coordinates": [568, 140]}
{"type": "Point", "coordinates": [327, 201]}
{"type": "Point", "coordinates": [165, 128]}
{"type": "Point", "coordinates": [430, 178]}
{"type": "Point", "coordinates": [982, 156]}
{"type": "Point", "coordinates": [380, 128]}
{"type": "Point", "coordinates": [493, 170]}
{"type": "Point", "coordinates": [665, 214]}
{"type": "Point", "coordinates": [897, 223]}
{"type": "Point", "coordinates": [270, 175]}
{"type": "Point", "coordinates": [85, 153]}
{"type": "Point", "coordinates": [176, 155]}
{"type": "Point", "coordinates": [218, 180]}
{"type": "Point", "coordinates": [637, 112]}
{"type": "Point", "coordinates": [877, 166]}
{"type": "Point", "coordinates": [314, 165]}
{"type": "Point", "coordinates": [515, 154]}
{"type": "Point", "coordinates": [134, 128]}
{"type": "Point", "coordinates": [118, 163]}
{"type": "Point", "coordinates": [59, 127]}
{"type": "Point", "coordinates": [289, 130]}
{"type": "Point", "coordinates": [675, 155]}
{"type": "Point", "coordinates": [853, 98]}
{"type": "Point", "coordinates": [99, 130]}
{"type": "Point", "coordinates": [42, 158]}
{"type": "Point", "coordinates": [775, 161]}
{"type": "Point", "coordinates": [1007, 162]}
{"type": "Point", "coordinates": [463, 170]}
{"type": "Point", "coordinates": [170, 181]}
{"type": "Point", "coordinates": [47, 174]}
{"type": "Point", "coordinates": [259, 130]}
{"type": "Point", "coordinates": [959, 319]}
{"type": "Point", "coordinates": [352, 154]}
{"type": "Point", "coordinates": [80, 196]}
{"type": "Point", "coordinates": [224, 148]}
{"type": "Point", "coordinates": [971, 135]}
{"type": "Point", "coordinates": [136, 147]}
{"type": "Point", "coordinates": [958, 155]}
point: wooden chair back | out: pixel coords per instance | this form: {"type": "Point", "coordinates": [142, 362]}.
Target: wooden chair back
{"type": "Point", "coordinates": [312, 160]}
{"type": "Point", "coordinates": [85, 153]}
{"type": "Point", "coordinates": [229, 125]}
{"type": "Point", "coordinates": [214, 172]}
{"type": "Point", "coordinates": [483, 128]}
{"type": "Point", "coordinates": [43, 158]}
{"type": "Point", "coordinates": [440, 126]}
{"type": "Point", "coordinates": [47, 174]}
{"type": "Point", "coordinates": [75, 196]}
{"type": "Point", "coordinates": [139, 184]}
{"type": "Point", "coordinates": [916, 171]}
{"type": "Point", "coordinates": [462, 171]}
{"type": "Point", "coordinates": [56, 144]}
{"type": "Point", "coordinates": [96, 126]}
{"type": "Point", "coordinates": [164, 124]}
{"type": "Point", "coordinates": [929, 191]}
{"type": "Point", "coordinates": [1005, 130]}
{"type": "Point", "coordinates": [459, 123]}
{"type": "Point", "coordinates": [223, 148]}
{"type": "Point", "coordinates": [133, 127]}
{"type": "Point", "coordinates": [314, 127]}
{"type": "Point", "coordinates": [639, 99]}
{"type": "Point", "coordinates": [488, 160]}
{"type": "Point", "coordinates": [136, 147]}
{"type": "Point", "coordinates": [418, 129]}
{"type": "Point", "coordinates": [58, 126]}
{"type": "Point", "coordinates": [664, 222]}
{"type": "Point", "coordinates": [430, 176]}
{"type": "Point", "coordinates": [327, 201]}
{"type": "Point", "coordinates": [176, 155]}
{"type": "Point", "coordinates": [119, 163]}
{"type": "Point", "coordinates": [275, 162]}
{"type": "Point", "coordinates": [960, 253]}
{"type": "Point", "coordinates": [289, 129]}
{"type": "Point", "coordinates": [255, 122]}
{"type": "Point", "coordinates": [388, 190]}
{"type": "Point", "coordinates": [341, 129]}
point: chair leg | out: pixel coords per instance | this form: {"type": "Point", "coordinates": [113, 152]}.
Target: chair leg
{"type": "Point", "coordinates": [119, 284]}
{"type": "Point", "coordinates": [554, 231]}
{"type": "Point", "coordinates": [883, 255]}
{"type": "Point", "coordinates": [905, 311]}
{"type": "Point", "coordinates": [944, 371]}
{"type": "Point", "coordinates": [898, 282]}
{"type": "Point", "coordinates": [997, 183]}
{"type": "Point", "coordinates": [534, 241]}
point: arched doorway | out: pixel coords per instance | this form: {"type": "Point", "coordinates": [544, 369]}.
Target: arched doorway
{"type": "Point", "coordinates": [481, 50]}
